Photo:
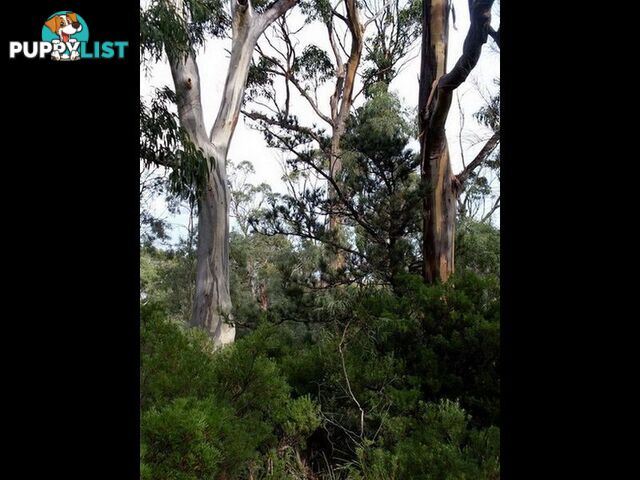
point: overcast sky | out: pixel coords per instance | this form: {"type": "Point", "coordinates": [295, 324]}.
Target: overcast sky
{"type": "Point", "coordinates": [249, 144]}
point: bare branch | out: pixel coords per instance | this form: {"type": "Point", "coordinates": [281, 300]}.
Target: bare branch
{"type": "Point", "coordinates": [482, 156]}
{"type": "Point", "coordinates": [378, 13]}
{"type": "Point", "coordinates": [310, 100]}
{"type": "Point", "coordinates": [334, 47]}
{"type": "Point", "coordinates": [461, 129]}
{"type": "Point", "coordinates": [340, 16]}
{"type": "Point", "coordinates": [283, 72]}
{"type": "Point", "coordinates": [283, 124]}
{"type": "Point", "coordinates": [496, 205]}
{"type": "Point", "coordinates": [480, 13]}
{"type": "Point", "coordinates": [495, 34]}
{"type": "Point", "coordinates": [275, 11]}
{"type": "Point", "coordinates": [346, 377]}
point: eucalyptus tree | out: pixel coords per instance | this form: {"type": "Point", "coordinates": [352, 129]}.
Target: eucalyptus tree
{"type": "Point", "coordinates": [177, 29]}
{"type": "Point", "coordinates": [442, 187]}
{"type": "Point", "coordinates": [364, 43]}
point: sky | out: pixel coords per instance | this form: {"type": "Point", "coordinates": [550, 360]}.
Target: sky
{"type": "Point", "coordinates": [249, 144]}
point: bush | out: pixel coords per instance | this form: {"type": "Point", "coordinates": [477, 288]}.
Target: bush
{"type": "Point", "coordinates": [285, 400]}
{"type": "Point", "coordinates": [173, 361]}
{"type": "Point", "coordinates": [440, 446]}
{"type": "Point", "coordinates": [184, 439]}
{"type": "Point", "coordinates": [209, 414]}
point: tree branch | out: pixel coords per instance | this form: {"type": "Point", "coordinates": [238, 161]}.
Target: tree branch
{"type": "Point", "coordinates": [496, 205]}
{"type": "Point", "coordinates": [378, 13]}
{"type": "Point", "coordinates": [186, 80]}
{"type": "Point", "coordinates": [282, 124]}
{"type": "Point", "coordinates": [482, 156]}
{"type": "Point", "coordinates": [480, 13]}
{"type": "Point", "coordinates": [275, 11]}
{"type": "Point", "coordinates": [290, 78]}
{"type": "Point", "coordinates": [301, 234]}
{"type": "Point", "coordinates": [495, 34]}
{"type": "Point", "coordinates": [345, 201]}
{"type": "Point", "coordinates": [346, 377]}
{"type": "Point", "coordinates": [307, 97]}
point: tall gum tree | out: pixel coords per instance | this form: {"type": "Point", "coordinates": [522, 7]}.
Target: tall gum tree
{"type": "Point", "coordinates": [212, 300]}
{"type": "Point", "coordinates": [287, 63]}
{"type": "Point", "coordinates": [442, 187]}
{"type": "Point", "coordinates": [394, 25]}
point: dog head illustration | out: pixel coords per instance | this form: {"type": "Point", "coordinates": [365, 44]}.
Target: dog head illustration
{"type": "Point", "coordinates": [64, 25]}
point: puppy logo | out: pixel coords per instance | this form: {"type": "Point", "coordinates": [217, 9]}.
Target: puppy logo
{"type": "Point", "coordinates": [65, 31]}
{"type": "Point", "coordinates": [65, 37]}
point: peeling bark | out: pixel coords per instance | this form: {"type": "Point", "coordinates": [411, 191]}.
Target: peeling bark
{"type": "Point", "coordinates": [436, 92]}
{"type": "Point", "coordinates": [435, 166]}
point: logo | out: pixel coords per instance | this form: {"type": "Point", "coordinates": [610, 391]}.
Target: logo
{"type": "Point", "coordinates": [65, 38]}
{"type": "Point", "coordinates": [65, 31]}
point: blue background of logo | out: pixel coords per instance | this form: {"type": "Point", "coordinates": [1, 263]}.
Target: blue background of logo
{"type": "Point", "coordinates": [82, 36]}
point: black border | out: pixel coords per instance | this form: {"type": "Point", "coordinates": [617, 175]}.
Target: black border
{"type": "Point", "coordinates": [556, 267]}
{"type": "Point", "coordinates": [70, 190]}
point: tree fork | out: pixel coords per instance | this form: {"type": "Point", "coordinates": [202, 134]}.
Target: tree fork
{"type": "Point", "coordinates": [212, 299]}
{"type": "Point", "coordinates": [436, 90]}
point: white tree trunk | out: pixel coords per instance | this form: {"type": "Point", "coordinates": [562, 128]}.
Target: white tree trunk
{"type": "Point", "coordinates": [212, 299]}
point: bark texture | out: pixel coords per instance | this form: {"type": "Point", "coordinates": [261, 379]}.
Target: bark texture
{"type": "Point", "coordinates": [340, 102]}
{"type": "Point", "coordinates": [436, 91]}
{"type": "Point", "coordinates": [212, 299]}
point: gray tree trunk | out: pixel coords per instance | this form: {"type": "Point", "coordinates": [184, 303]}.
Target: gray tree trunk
{"type": "Point", "coordinates": [341, 102]}
{"type": "Point", "coordinates": [212, 299]}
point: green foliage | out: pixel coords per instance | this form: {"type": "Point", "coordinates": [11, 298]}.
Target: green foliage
{"type": "Point", "coordinates": [489, 114]}
{"type": "Point", "coordinates": [260, 80]}
{"type": "Point", "coordinates": [163, 30]}
{"type": "Point", "coordinates": [395, 34]}
{"type": "Point", "coordinates": [210, 413]}
{"type": "Point", "coordinates": [400, 357]}
{"type": "Point", "coordinates": [364, 381]}
{"type": "Point", "coordinates": [364, 391]}
{"type": "Point", "coordinates": [164, 143]}
{"type": "Point", "coordinates": [166, 280]}
{"type": "Point", "coordinates": [314, 63]}
{"type": "Point", "coordinates": [380, 173]}
{"type": "Point", "coordinates": [184, 439]}
{"type": "Point", "coordinates": [380, 378]}
{"type": "Point", "coordinates": [317, 10]}
{"type": "Point", "coordinates": [478, 247]}
{"type": "Point", "coordinates": [173, 364]}
{"type": "Point", "coordinates": [379, 197]}
{"type": "Point", "coordinates": [268, 278]}
{"type": "Point", "coordinates": [440, 446]}
{"type": "Point", "coordinates": [303, 417]}
{"type": "Point", "coordinates": [444, 447]}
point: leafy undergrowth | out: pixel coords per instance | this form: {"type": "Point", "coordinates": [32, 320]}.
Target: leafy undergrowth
{"type": "Point", "coordinates": [390, 386]}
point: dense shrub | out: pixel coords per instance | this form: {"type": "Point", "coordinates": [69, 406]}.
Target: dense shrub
{"type": "Point", "coordinates": [382, 384]}
{"type": "Point", "coordinates": [212, 414]}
